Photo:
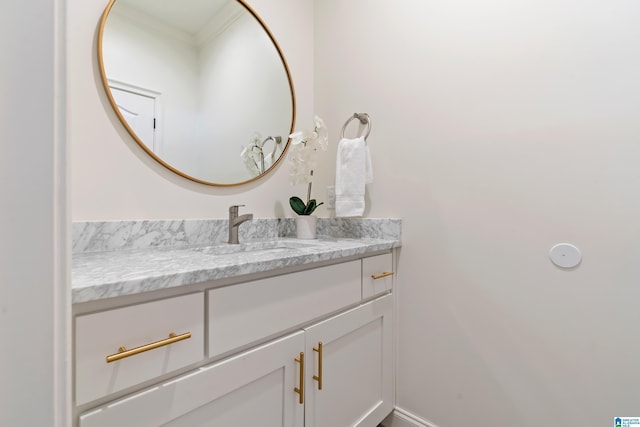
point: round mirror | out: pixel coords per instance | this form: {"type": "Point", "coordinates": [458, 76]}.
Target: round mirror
{"type": "Point", "coordinates": [201, 85]}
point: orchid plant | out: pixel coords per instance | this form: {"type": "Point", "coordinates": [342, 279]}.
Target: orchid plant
{"type": "Point", "coordinates": [251, 155]}
{"type": "Point", "coordinates": [302, 159]}
{"type": "Point", "coordinates": [254, 157]}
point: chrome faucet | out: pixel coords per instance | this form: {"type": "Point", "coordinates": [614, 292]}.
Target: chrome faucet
{"type": "Point", "coordinates": [234, 223]}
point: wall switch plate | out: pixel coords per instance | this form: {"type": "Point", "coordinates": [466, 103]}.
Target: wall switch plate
{"type": "Point", "coordinates": [331, 197]}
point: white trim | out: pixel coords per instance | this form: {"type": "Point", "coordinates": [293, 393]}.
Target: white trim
{"type": "Point", "coordinates": [402, 418]}
{"type": "Point", "coordinates": [140, 18]}
{"type": "Point", "coordinates": [218, 24]}
{"type": "Point", "coordinates": [156, 144]}
{"type": "Point", "coordinates": [220, 21]}
{"type": "Point", "coordinates": [61, 224]}
{"type": "Point", "coordinates": [119, 84]}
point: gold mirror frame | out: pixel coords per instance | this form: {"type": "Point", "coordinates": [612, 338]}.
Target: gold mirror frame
{"type": "Point", "coordinates": [131, 132]}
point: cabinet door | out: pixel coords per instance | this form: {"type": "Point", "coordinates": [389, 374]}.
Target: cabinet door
{"type": "Point", "coordinates": [357, 367]}
{"type": "Point", "coordinates": [254, 388]}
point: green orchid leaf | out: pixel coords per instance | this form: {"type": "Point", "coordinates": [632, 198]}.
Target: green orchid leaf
{"type": "Point", "coordinates": [297, 205]}
{"type": "Point", "coordinates": [310, 207]}
{"type": "Point", "coordinates": [316, 207]}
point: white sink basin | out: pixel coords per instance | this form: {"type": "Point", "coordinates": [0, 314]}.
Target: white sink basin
{"type": "Point", "coordinates": [262, 246]}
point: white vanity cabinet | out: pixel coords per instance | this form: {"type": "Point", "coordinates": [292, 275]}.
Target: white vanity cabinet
{"type": "Point", "coordinates": [349, 372]}
{"type": "Point", "coordinates": [254, 388]}
{"type": "Point", "coordinates": [243, 313]}
{"type": "Point", "coordinates": [100, 336]}
{"type": "Point", "coordinates": [305, 349]}
{"type": "Point", "coordinates": [377, 275]}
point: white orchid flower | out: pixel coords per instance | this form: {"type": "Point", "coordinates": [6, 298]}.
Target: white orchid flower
{"type": "Point", "coordinates": [303, 160]}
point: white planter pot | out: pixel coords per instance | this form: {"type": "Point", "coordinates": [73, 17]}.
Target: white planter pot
{"type": "Point", "coordinates": [306, 226]}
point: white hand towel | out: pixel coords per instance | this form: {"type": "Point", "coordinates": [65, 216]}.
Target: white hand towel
{"type": "Point", "coordinates": [368, 165]}
{"type": "Point", "coordinates": [353, 171]}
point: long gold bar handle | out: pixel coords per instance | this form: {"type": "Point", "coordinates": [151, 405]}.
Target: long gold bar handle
{"type": "Point", "coordinates": [319, 376]}
{"type": "Point", "coordinates": [123, 352]}
{"type": "Point", "coordinates": [384, 274]}
{"type": "Point", "coordinates": [300, 390]}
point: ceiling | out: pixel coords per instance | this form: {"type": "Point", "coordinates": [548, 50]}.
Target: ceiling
{"type": "Point", "coordinates": [187, 15]}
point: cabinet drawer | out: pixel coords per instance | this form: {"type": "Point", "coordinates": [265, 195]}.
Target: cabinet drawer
{"type": "Point", "coordinates": [375, 277]}
{"type": "Point", "coordinates": [99, 335]}
{"type": "Point", "coordinates": [244, 313]}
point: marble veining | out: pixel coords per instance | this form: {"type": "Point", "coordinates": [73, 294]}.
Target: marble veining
{"type": "Point", "coordinates": [353, 228]}
{"type": "Point", "coordinates": [113, 259]}
{"type": "Point", "coordinates": [102, 236]}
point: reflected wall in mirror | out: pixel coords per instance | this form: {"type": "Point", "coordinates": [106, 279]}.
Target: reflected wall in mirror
{"type": "Point", "coordinates": [201, 85]}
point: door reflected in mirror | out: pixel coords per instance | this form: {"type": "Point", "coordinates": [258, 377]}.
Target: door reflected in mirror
{"type": "Point", "coordinates": [201, 85]}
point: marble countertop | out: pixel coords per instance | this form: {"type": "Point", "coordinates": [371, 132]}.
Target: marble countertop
{"type": "Point", "coordinates": [108, 274]}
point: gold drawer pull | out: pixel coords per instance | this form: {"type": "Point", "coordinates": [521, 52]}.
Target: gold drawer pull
{"type": "Point", "coordinates": [123, 352]}
{"type": "Point", "coordinates": [300, 390]}
{"type": "Point", "coordinates": [318, 377]}
{"type": "Point", "coordinates": [384, 274]}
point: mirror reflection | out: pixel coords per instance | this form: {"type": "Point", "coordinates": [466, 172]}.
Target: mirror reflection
{"type": "Point", "coordinates": [200, 84]}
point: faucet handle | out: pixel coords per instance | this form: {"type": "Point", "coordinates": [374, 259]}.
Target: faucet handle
{"type": "Point", "coordinates": [234, 208]}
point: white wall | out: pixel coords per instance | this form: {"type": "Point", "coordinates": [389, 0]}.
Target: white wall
{"type": "Point", "coordinates": [240, 70]}
{"type": "Point", "coordinates": [34, 255]}
{"type": "Point", "coordinates": [141, 52]}
{"type": "Point", "coordinates": [114, 179]}
{"type": "Point", "coordinates": [501, 128]}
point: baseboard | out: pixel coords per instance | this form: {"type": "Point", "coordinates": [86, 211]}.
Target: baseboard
{"type": "Point", "coordinates": [402, 418]}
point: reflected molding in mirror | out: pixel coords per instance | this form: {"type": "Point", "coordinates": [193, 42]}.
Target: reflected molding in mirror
{"type": "Point", "coordinates": [216, 104]}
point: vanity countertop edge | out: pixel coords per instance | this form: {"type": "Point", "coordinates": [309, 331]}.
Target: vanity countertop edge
{"type": "Point", "coordinates": [109, 274]}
